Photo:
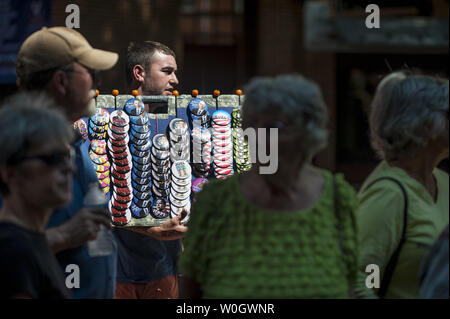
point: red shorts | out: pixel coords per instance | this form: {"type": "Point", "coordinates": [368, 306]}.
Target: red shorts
{"type": "Point", "coordinates": [165, 288]}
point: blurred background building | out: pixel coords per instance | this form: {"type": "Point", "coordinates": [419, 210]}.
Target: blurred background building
{"type": "Point", "coordinates": [221, 44]}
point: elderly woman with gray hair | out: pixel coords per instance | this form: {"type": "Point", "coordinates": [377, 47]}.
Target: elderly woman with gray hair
{"type": "Point", "coordinates": [35, 178]}
{"type": "Point", "coordinates": [289, 234]}
{"type": "Point", "coordinates": [403, 204]}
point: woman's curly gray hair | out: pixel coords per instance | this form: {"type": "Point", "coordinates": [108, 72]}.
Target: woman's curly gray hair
{"type": "Point", "coordinates": [293, 100]}
{"type": "Point", "coordinates": [406, 113]}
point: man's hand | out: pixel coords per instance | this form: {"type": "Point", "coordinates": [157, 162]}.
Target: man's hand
{"type": "Point", "coordinates": [170, 230]}
{"type": "Point", "coordinates": [81, 228]}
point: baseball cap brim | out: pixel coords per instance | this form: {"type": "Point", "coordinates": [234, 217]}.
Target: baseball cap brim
{"type": "Point", "coordinates": [98, 59]}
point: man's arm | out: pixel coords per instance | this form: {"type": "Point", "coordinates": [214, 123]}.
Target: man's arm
{"type": "Point", "coordinates": [81, 228]}
{"type": "Point", "coordinates": [170, 230]}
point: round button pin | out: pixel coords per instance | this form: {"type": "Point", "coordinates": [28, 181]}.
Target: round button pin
{"type": "Point", "coordinates": [181, 170]}
{"type": "Point", "coordinates": [139, 119]}
{"type": "Point", "coordinates": [134, 107]}
{"type": "Point", "coordinates": [161, 142]}
{"type": "Point", "coordinates": [119, 118]}
{"type": "Point", "coordinates": [98, 159]}
{"type": "Point", "coordinates": [139, 212]}
{"type": "Point", "coordinates": [178, 126]}
{"type": "Point", "coordinates": [160, 208]}
{"type": "Point", "coordinates": [197, 107]}
{"type": "Point", "coordinates": [101, 117]}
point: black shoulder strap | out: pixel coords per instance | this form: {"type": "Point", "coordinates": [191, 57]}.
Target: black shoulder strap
{"type": "Point", "coordinates": [394, 258]}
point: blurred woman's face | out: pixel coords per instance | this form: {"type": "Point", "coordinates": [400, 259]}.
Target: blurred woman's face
{"type": "Point", "coordinates": [44, 176]}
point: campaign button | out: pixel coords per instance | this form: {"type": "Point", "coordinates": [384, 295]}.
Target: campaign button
{"type": "Point", "coordinates": [102, 168]}
{"type": "Point", "coordinates": [96, 136]}
{"type": "Point", "coordinates": [114, 210]}
{"type": "Point", "coordinates": [140, 148]}
{"type": "Point", "coordinates": [142, 188]}
{"type": "Point", "coordinates": [102, 177]}
{"type": "Point", "coordinates": [222, 171]}
{"type": "Point", "coordinates": [122, 162]}
{"type": "Point", "coordinates": [159, 162]}
{"type": "Point", "coordinates": [98, 146]}
{"type": "Point", "coordinates": [161, 142]}
{"type": "Point", "coordinates": [125, 199]}
{"type": "Point", "coordinates": [142, 167]}
{"type": "Point", "coordinates": [81, 127]}
{"type": "Point", "coordinates": [160, 208]}
{"type": "Point", "coordinates": [121, 169]}
{"type": "Point", "coordinates": [181, 170]}
{"type": "Point", "coordinates": [134, 107]}
{"type": "Point", "coordinates": [140, 136]}
{"type": "Point", "coordinates": [142, 203]}
{"type": "Point", "coordinates": [98, 159]}
{"type": "Point", "coordinates": [116, 149]}
{"type": "Point", "coordinates": [181, 182]}
{"type": "Point", "coordinates": [177, 156]}
{"type": "Point", "coordinates": [141, 174]}
{"type": "Point", "coordinates": [141, 129]}
{"type": "Point", "coordinates": [122, 191]}
{"type": "Point", "coordinates": [119, 129]}
{"type": "Point", "coordinates": [197, 107]}
{"type": "Point", "coordinates": [120, 176]}
{"type": "Point", "coordinates": [181, 189]}
{"type": "Point", "coordinates": [178, 126]}
{"type": "Point", "coordinates": [101, 117]}
{"type": "Point", "coordinates": [162, 155]}
{"type": "Point", "coordinates": [160, 177]}
{"type": "Point", "coordinates": [119, 118]}
{"type": "Point", "coordinates": [198, 184]}
{"type": "Point", "coordinates": [141, 195]}
{"type": "Point", "coordinates": [120, 182]}
{"type": "Point", "coordinates": [141, 119]}
{"type": "Point", "coordinates": [119, 206]}
{"type": "Point", "coordinates": [97, 128]}
{"type": "Point", "coordinates": [160, 192]}
{"type": "Point", "coordinates": [180, 195]}
{"type": "Point", "coordinates": [121, 221]}
{"type": "Point", "coordinates": [138, 142]}
{"type": "Point", "coordinates": [139, 212]}
{"type": "Point", "coordinates": [139, 180]}
{"type": "Point", "coordinates": [177, 202]}
{"type": "Point", "coordinates": [162, 184]}
{"type": "Point", "coordinates": [141, 160]}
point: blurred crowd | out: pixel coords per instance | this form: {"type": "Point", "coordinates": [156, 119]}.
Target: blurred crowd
{"type": "Point", "coordinates": [301, 232]}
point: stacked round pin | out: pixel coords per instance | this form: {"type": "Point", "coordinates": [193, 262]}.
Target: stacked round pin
{"type": "Point", "coordinates": [222, 144]}
{"type": "Point", "coordinates": [201, 151]}
{"type": "Point", "coordinates": [139, 144]}
{"type": "Point", "coordinates": [160, 158]}
{"type": "Point", "coordinates": [240, 145]}
{"type": "Point", "coordinates": [98, 125]}
{"type": "Point", "coordinates": [81, 128]}
{"type": "Point", "coordinates": [198, 113]}
{"type": "Point", "coordinates": [121, 195]}
{"type": "Point", "coordinates": [180, 189]}
{"type": "Point", "coordinates": [179, 140]}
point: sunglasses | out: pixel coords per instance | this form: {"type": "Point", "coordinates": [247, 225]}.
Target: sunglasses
{"type": "Point", "coordinates": [53, 159]}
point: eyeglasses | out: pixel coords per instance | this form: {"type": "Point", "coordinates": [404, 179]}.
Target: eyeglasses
{"type": "Point", "coordinates": [53, 159]}
{"type": "Point", "coordinates": [95, 74]}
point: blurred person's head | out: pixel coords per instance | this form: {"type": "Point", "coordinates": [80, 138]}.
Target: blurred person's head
{"type": "Point", "coordinates": [409, 113]}
{"type": "Point", "coordinates": [151, 68]}
{"type": "Point", "coordinates": [36, 159]}
{"type": "Point", "coordinates": [61, 62]}
{"type": "Point", "coordinates": [296, 107]}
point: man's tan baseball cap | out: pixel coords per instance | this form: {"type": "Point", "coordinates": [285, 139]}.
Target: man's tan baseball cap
{"type": "Point", "coordinates": [49, 48]}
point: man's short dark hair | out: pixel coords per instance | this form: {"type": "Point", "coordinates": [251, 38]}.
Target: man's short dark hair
{"type": "Point", "coordinates": [141, 53]}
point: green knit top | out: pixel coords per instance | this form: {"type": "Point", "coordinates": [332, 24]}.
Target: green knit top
{"type": "Point", "coordinates": [234, 249]}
